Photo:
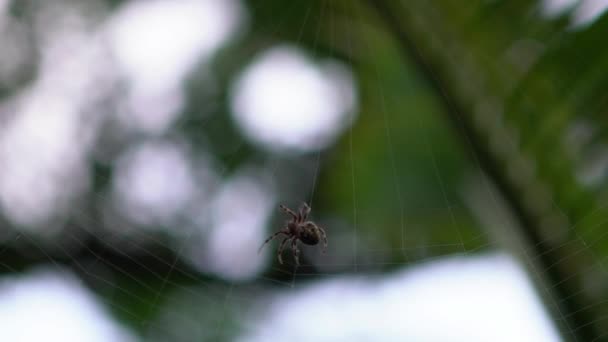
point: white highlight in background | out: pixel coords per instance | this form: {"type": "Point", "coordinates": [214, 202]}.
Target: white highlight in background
{"type": "Point", "coordinates": [486, 298]}
{"type": "Point", "coordinates": [49, 306]}
{"type": "Point", "coordinates": [3, 10]}
{"type": "Point", "coordinates": [285, 101]}
{"type": "Point", "coordinates": [158, 42]}
{"type": "Point", "coordinates": [588, 11]}
{"type": "Point", "coordinates": [239, 217]}
{"type": "Point", "coordinates": [47, 129]}
{"type": "Point", "coordinates": [154, 182]}
{"type": "Point", "coordinates": [584, 12]}
{"type": "Point", "coordinates": [42, 155]}
{"type": "Point", "coordinates": [553, 8]}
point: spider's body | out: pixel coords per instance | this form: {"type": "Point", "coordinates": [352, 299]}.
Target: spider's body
{"type": "Point", "coordinates": [298, 228]}
{"type": "Point", "coordinates": [310, 234]}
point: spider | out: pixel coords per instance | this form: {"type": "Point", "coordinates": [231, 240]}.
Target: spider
{"type": "Point", "coordinates": [298, 229]}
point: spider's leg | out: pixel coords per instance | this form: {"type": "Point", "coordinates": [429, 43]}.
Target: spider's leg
{"type": "Point", "coordinates": [289, 211]}
{"type": "Point", "coordinates": [324, 238]}
{"type": "Point", "coordinates": [281, 247]}
{"type": "Point", "coordinates": [296, 251]}
{"type": "Point", "coordinates": [270, 238]}
{"type": "Point", "coordinates": [304, 211]}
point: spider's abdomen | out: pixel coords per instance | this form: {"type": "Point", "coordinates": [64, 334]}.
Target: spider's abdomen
{"type": "Point", "coordinates": [310, 236]}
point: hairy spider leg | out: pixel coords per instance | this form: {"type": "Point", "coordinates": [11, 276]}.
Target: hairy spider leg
{"type": "Point", "coordinates": [281, 247]}
{"type": "Point", "coordinates": [290, 212]}
{"type": "Point", "coordinates": [304, 211]}
{"type": "Point", "coordinates": [324, 238]}
{"type": "Point", "coordinates": [270, 238]}
{"type": "Point", "coordinates": [296, 251]}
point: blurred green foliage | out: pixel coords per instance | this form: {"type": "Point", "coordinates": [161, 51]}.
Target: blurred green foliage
{"type": "Point", "coordinates": [532, 88]}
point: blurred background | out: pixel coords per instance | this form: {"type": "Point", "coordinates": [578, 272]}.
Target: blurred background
{"type": "Point", "coordinates": [455, 153]}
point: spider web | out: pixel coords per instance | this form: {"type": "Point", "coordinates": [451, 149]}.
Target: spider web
{"type": "Point", "coordinates": [160, 284]}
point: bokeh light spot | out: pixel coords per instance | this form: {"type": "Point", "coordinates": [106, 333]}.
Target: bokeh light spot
{"type": "Point", "coordinates": [45, 305]}
{"type": "Point", "coordinates": [484, 298]}
{"type": "Point", "coordinates": [239, 215]}
{"type": "Point", "coordinates": [283, 100]}
{"type": "Point", "coordinates": [154, 182]}
{"type": "Point", "coordinates": [157, 43]}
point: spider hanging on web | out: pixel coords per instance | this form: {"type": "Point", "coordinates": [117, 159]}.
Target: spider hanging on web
{"type": "Point", "coordinates": [298, 228]}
